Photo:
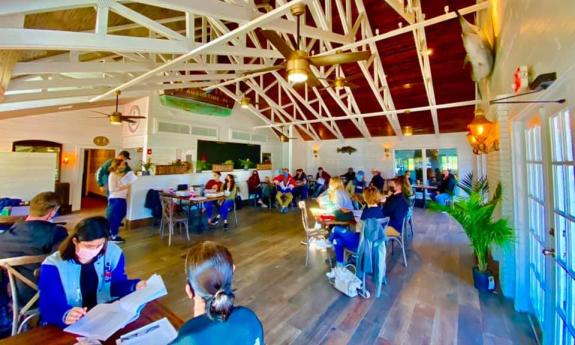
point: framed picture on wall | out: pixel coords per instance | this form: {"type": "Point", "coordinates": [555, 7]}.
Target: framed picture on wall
{"type": "Point", "coordinates": [266, 158]}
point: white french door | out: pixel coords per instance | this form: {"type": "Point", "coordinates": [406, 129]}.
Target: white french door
{"type": "Point", "coordinates": [550, 170]}
{"type": "Point", "coordinates": [561, 127]}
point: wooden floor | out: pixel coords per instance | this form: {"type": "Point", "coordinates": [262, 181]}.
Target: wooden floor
{"type": "Point", "coordinates": [432, 301]}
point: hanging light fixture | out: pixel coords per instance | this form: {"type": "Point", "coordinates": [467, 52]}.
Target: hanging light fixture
{"type": "Point", "coordinates": [482, 134]}
{"type": "Point", "coordinates": [245, 102]}
{"type": "Point", "coordinates": [298, 67]}
{"type": "Point", "coordinates": [408, 131]}
{"type": "Point", "coordinates": [115, 118]}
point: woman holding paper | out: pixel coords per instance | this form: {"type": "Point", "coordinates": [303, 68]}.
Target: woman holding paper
{"type": "Point", "coordinates": [87, 270]}
{"type": "Point", "coordinates": [209, 275]}
{"type": "Point", "coordinates": [118, 187]}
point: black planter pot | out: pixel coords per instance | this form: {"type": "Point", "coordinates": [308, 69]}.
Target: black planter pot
{"type": "Point", "coordinates": [483, 281]}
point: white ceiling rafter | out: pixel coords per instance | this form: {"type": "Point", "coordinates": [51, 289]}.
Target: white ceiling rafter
{"type": "Point", "coordinates": [423, 53]}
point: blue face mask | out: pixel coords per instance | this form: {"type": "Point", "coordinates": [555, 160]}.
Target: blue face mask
{"type": "Point", "coordinates": [286, 174]}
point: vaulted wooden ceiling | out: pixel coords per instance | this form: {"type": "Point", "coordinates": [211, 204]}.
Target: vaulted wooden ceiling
{"type": "Point", "coordinates": [420, 67]}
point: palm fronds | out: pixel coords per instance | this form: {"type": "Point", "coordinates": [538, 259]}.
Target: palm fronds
{"type": "Point", "coordinates": [475, 215]}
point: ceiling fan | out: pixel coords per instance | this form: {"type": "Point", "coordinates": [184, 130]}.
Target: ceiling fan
{"type": "Point", "coordinates": [297, 62]}
{"type": "Point", "coordinates": [116, 118]}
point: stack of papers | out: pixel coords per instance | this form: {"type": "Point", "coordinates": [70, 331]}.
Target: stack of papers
{"type": "Point", "coordinates": [129, 178]}
{"type": "Point", "coordinates": [160, 332]}
{"type": "Point", "coordinates": [105, 319]}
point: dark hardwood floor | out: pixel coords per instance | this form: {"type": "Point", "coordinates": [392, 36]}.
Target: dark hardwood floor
{"type": "Point", "coordinates": [432, 301]}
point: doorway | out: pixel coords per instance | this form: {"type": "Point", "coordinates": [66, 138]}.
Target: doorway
{"type": "Point", "coordinates": [550, 201]}
{"type": "Point", "coordinates": [92, 196]}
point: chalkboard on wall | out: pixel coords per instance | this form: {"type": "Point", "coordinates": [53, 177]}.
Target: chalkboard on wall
{"type": "Point", "coordinates": [217, 152]}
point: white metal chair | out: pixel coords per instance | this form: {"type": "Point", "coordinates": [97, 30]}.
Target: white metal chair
{"type": "Point", "coordinates": [171, 217]}
{"type": "Point", "coordinates": [400, 239]}
{"type": "Point", "coordinates": [21, 315]}
{"type": "Point", "coordinates": [310, 232]}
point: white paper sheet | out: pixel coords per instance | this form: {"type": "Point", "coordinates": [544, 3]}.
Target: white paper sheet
{"type": "Point", "coordinates": [105, 319]}
{"type": "Point", "coordinates": [129, 178]}
{"type": "Point", "coordinates": [160, 332]}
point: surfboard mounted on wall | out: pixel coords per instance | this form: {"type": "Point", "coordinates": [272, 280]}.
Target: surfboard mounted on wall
{"type": "Point", "coordinates": [198, 101]}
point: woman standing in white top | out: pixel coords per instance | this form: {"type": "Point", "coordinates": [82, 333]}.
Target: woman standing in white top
{"type": "Point", "coordinates": [118, 192]}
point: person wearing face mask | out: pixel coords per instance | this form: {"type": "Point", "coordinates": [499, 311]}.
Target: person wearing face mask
{"type": "Point", "coordinates": [87, 270]}
{"type": "Point", "coordinates": [395, 207]}
{"type": "Point", "coordinates": [255, 188]}
{"type": "Point", "coordinates": [36, 235]}
{"type": "Point", "coordinates": [217, 321]}
{"type": "Point", "coordinates": [284, 195]}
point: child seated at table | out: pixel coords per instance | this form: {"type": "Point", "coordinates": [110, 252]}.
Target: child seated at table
{"type": "Point", "coordinates": [345, 238]}
{"type": "Point", "coordinates": [87, 270]}
{"type": "Point", "coordinates": [230, 189]}
{"type": "Point", "coordinates": [217, 321]}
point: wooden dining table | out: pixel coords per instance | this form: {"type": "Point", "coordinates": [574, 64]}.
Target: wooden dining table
{"type": "Point", "coordinates": [425, 189]}
{"type": "Point", "coordinates": [199, 201]}
{"type": "Point", "coordinates": [52, 335]}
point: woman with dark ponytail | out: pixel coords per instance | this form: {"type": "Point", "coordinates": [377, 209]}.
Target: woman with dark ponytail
{"type": "Point", "coordinates": [209, 274]}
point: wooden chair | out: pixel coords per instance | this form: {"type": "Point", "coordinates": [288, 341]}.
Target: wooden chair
{"type": "Point", "coordinates": [21, 315]}
{"type": "Point", "coordinates": [310, 231]}
{"type": "Point", "coordinates": [171, 218]}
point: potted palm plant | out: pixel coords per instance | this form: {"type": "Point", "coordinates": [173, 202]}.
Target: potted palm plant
{"type": "Point", "coordinates": [474, 212]}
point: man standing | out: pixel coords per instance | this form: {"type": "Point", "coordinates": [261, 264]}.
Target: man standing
{"type": "Point", "coordinates": [376, 180]}
{"type": "Point", "coordinates": [37, 235]}
{"type": "Point", "coordinates": [444, 188]}
{"type": "Point", "coordinates": [104, 170]}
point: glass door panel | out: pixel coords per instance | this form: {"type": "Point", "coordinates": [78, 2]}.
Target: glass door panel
{"type": "Point", "coordinates": [561, 128]}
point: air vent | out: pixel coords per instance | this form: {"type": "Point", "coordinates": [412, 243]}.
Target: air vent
{"type": "Point", "coordinates": [168, 127]}
{"type": "Point", "coordinates": [260, 138]}
{"type": "Point", "coordinates": [204, 131]}
{"type": "Point", "coordinates": [241, 135]}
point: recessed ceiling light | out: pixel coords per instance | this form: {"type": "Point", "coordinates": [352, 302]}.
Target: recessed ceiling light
{"type": "Point", "coordinates": [428, 52]}
{"type": "Point", "coordinates": [407, 86]}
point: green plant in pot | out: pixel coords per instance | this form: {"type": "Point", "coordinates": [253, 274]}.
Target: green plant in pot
{"type": "Point", "coordinates": [246, 163]}
{"type": "Point", "coordinates": [147, 167]}
{"type": "Point", "coordinates": [202, 165]}
{"type": "Point", "coordinates": [474, 212]}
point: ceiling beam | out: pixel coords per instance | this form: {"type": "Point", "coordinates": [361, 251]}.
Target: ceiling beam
{"type": "Point", "coordinates": [23, 68]}
{"type": "Point", "coordinates": [8, 60]}
{"type": "Point", "coordinates": [146, 22]}
{"type": "Point", "coordinates": [11, 7]}
{"type": "Point", "coordinates": [402, 10]}
{"type": "Point", "coordinates": [27, 85]}
{"type": "Point", "coordinates": [244, 14]}
{"type": "Point", "coordinates": [32, 39]}
{"type": "Point", "coordinates": [383, 113]}
{"type": "Point", "coordinates": [215, 43]}
{"type": "Point", "coordinates": [393, 33]}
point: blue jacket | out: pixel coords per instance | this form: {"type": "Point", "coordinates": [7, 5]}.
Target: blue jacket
{"type": "Point", "coordinates": [60, 288]}
{"type": "Point", "coordinates": [396, 208]}
{"type": "Point", "coordinates": [371, 253]}
{"type": "Point", "coordinates": [104, 171]}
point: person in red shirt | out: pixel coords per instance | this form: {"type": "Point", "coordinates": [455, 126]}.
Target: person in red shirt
{"type": "Point", "coordinates": [284, 188]}
{"type": "Point", "coordinates": [214, 185]}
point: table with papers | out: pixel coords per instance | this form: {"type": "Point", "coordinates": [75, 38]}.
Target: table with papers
{"type": "Point", "coordinates": [53, 335]}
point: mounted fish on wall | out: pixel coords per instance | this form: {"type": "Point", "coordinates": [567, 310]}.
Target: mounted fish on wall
{"type": "Point", "coordinates": [478, 48]}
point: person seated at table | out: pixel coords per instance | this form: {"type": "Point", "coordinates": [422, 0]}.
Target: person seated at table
{"type": "Point", "coordinates": [217, 321]}
{"type": "Point", "coordinates": [445, 188]}
{"type": "Point", "coordinates": [87, 270]}
{"type": "Point", "coordinates": [406, 187]}
{"type": "Point", "coordinates": [301, 186]}
{"type": "Point", "coordinates": [376, 180]}
{"type": "Point", "coordinates": [355, 188]}
{"type": "Point", "coordinates": [339, 200]}
{"type": "Point", "coordinates": [284, 194]}
{"type": "Point", "coordinates": [214, 185]}
{"type": "Point", "coordinates": [345, 238]}
{"type": "Point", "coordinates": [230, 190]}
{"type": "Point", "coordinates": [36, 235]}
{"type": "Point", "coordinates": [255, 188]}
{"type": "Point", "coordinates": [117, 195]}
{"type": "Point", "coordinates": [321, 182]}
{"type": "Point", "coordinates": [395, 207]}
{"type": "Point", "coordinates": [348, 176]}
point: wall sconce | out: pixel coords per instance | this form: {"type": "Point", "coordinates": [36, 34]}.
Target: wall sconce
{"type": "Point", "coordinates": [65, 160]}
{"type": "Point", "coordinates": [483, 134]}
{"type": "Point", "coordinates": [315, 153]}
{"type": "Point", "coordinates": [387, 152]}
